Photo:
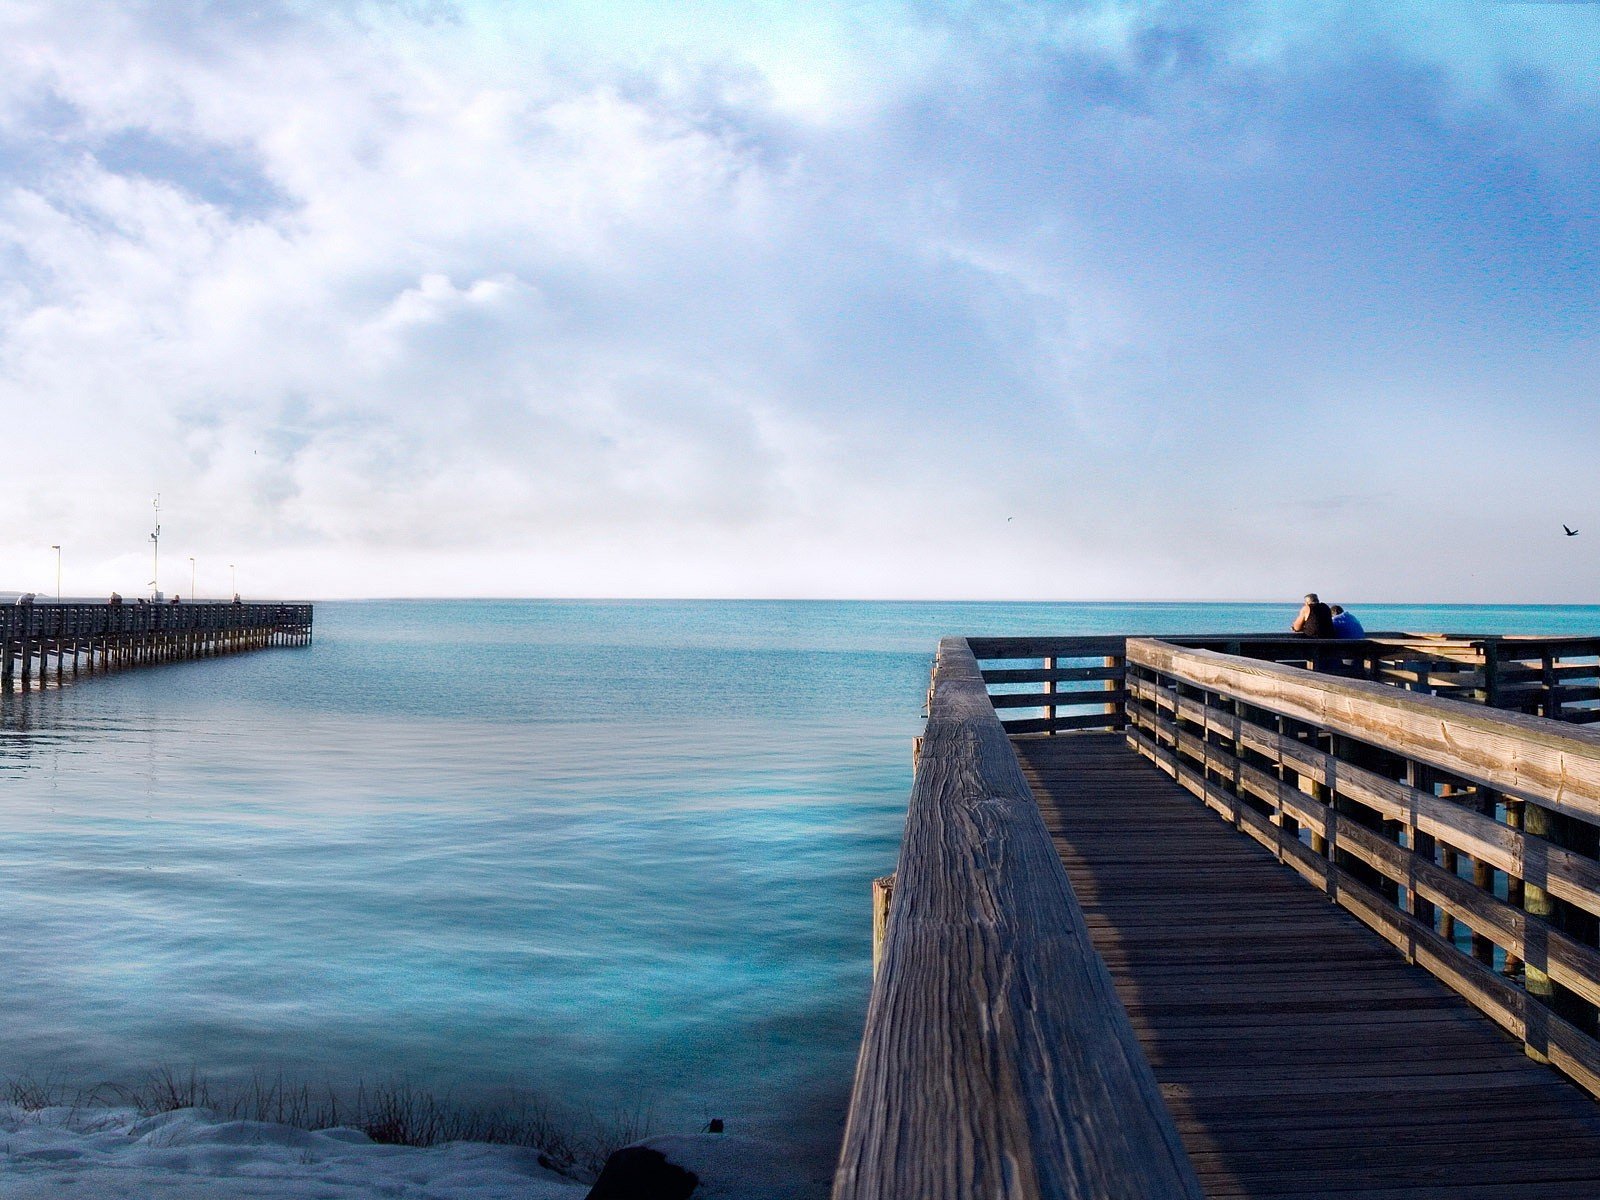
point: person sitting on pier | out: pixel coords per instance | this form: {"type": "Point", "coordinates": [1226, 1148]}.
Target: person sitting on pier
{"type": "Point", "coordinates": [1345, 624]}
{"type": "Point", "coordinates": [116, 600]}
{"type": "Point", "coordinates": [1315, 619]}
{"type": "Point", "coordinates": [175, 600]}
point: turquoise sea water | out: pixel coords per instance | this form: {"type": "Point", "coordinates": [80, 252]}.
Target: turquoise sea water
{"type": "Point", "coordinates": [612, 851]}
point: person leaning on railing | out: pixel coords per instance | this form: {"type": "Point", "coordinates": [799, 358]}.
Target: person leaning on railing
{"type": "Point", "coordinates": [1345, 624]}
{"type": "Point", "coordinates": [1315, 619]}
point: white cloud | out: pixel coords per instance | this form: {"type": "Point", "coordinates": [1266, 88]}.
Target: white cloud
{"type": "Point", "coordinates": [744, 300]}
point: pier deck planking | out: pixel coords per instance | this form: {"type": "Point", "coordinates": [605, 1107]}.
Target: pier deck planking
{"type": "Point", "coordinates": [1298, 1053]}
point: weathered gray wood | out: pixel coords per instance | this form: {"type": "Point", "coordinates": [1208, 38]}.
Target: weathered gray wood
{"type": "Point", "coordinates": [1536, 759]}
{"type": "Point", "coordinates": [1056, 699]}
{"type": "Point", "coordinates": [882, 898]}
{"type": "Point", "coordinates": [997, 1060]}
{"type": "Point", "coordinates": [1090, 646]}
{"type": "Point", "coordinates": [1061, 722]}
{"type": "Point", "coordinates": [1567, 875]}
{"type": "Point", "coordinates": [1302, 1058]}
{"type": "Point", "coordinates": [1051, 674]}
{"type": "Point", "coordinates": [1465, 824]}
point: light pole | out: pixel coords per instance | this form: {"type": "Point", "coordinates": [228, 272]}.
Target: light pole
{"type": "Point", "coordinates": [233, 574]}
{"type": "Point", "coordinates": [191, 579]}
{"type": "Point", "coordinates": [155, 551]}
{"type": "Point", "coordinates": [57, 549]}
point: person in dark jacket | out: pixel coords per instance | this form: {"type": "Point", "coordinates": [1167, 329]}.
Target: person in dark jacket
{"type": "Point", "coordinates": [1315, 619]}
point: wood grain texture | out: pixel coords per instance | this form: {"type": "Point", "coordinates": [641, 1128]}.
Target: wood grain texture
{"type": "Point", "coordinates": [997, 1060]}
{"type": "Point", "coordinates": [1046, 647]}
{"type": "Point", "coordinates": [1550, 762]}
{"type": "Point", "coordinates": [1221, 780]}
{"type": "Point", "coordinates": [1300, 1054]}
{"type": "Point", "coordinates": [1564, 873]}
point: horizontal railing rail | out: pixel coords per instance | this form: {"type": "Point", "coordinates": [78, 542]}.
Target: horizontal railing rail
{"type": "Point", "coordinates": [43, 620]}
{"type": "Point", "coordinates": [1067, 683]}
{"type": "Point", "coordinates": [1555, 677]}
{"type": "Point", "coordinates": [1467, 836]}
{"type": "Point", "coordinates": [997, 1059]}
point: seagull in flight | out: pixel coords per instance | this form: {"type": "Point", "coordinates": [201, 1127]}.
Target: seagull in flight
{"type": "Point", "coordinates": [1570, 532]}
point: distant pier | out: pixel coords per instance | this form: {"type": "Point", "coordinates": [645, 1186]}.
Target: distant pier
{"type": "Point", "coordinates": [1242, 916]}
{"type": "Point", "coordinates": [44, 645]}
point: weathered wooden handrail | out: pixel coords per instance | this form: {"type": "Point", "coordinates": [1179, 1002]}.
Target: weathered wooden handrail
{"type": "Point", "coordinates": [1557, 677]}
{"type": "Point", "coordinates": [997, 1060]}
{"type": "Point", "coordinates": [1383, 798]}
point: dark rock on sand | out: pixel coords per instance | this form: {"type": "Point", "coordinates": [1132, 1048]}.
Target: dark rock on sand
{"type": "Point", "coordinates": [640, 1173]}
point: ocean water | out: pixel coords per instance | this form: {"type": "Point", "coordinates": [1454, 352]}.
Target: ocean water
{"type": "Point", "coordinates": [613, 852]}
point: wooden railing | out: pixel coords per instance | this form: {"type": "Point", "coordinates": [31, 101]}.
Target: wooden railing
{"type": "Point", "coordinates": [1072, 682]}
{"type": "Point", "coordinates": [997, 1060]}
{"type": "Point", "coordinates": [1556, 677]}
{"type": "Point", "coordinates": [44, 620]}
{"type": "Point", "coordinates": [1465, 835]}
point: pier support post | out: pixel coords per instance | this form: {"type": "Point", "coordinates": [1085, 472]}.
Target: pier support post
{"type": "Point", "coordinates": [882, 898]}
{"type": "Point", "coordinates": [1537, 902]}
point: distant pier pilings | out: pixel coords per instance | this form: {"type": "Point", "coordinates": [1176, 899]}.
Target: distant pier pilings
{"type": "Point", "coordinates": [45, 644]}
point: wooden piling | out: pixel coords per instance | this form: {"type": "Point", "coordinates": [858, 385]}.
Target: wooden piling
{"type": "Point", "coordinates": [882, 898]}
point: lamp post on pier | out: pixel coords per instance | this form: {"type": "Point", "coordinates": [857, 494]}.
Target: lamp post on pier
{"type": "Point", "coordinates": [191, 579]}
{"type": "Point", "coordinates": [57, 549]}
{"type": "Point", "coordinates": [233, 574]}
{"type": "Point", "coordinates": [155, 552]}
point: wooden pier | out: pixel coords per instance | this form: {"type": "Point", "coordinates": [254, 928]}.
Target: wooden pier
{"type": "Point", "coordinates": [1242, 916]}
{"type": "Point", "coordinates": [44, 645]}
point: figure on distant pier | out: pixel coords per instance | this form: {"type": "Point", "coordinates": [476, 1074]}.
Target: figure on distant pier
{"type": "Point", "coordinates": [116, 600]}
{"type": "Point", "coordinates": [1315, 619]}
{"type": "Point", "coordinates": [1345, 624]}
{"type": "Point", "coordinates": [25, 600]}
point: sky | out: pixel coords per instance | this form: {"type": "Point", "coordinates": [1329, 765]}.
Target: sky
{"type": "Point", "coordinates": [884, 300]}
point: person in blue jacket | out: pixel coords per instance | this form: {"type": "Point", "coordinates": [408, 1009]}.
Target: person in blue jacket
{"type": "Point", "coordinates": [1345, 624]}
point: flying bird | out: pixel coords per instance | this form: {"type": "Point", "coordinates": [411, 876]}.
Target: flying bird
{"type": "Point", "coordinates": [1570, 532]}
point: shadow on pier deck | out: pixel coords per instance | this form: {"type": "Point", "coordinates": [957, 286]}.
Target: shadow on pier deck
{"type": "Point", "coordinates": [1298, 1053]}
{"type": "Point", "coordinates": [1310, 919]}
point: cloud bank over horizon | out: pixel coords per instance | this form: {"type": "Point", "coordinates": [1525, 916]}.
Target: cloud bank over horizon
{"type": "Point", "coordinates": [900, 300]}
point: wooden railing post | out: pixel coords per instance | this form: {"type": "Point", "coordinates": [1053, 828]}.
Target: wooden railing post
{"type": "Point", "coordinates": [882, 898]}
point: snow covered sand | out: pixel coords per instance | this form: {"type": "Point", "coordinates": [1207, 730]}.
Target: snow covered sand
{"type": "Point", "coordinates": [193, 1154]}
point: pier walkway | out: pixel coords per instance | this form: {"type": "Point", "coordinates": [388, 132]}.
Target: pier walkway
{"type": "Point", "coordinates": [45, 644]}
{"type": "Point", "coordinates": [1241, 916]}
{"type": "Point", "coordinates": [1298, 1053]}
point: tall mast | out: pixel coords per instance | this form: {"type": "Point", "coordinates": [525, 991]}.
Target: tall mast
{"type": "Point", "coordinates": [155, 549]}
